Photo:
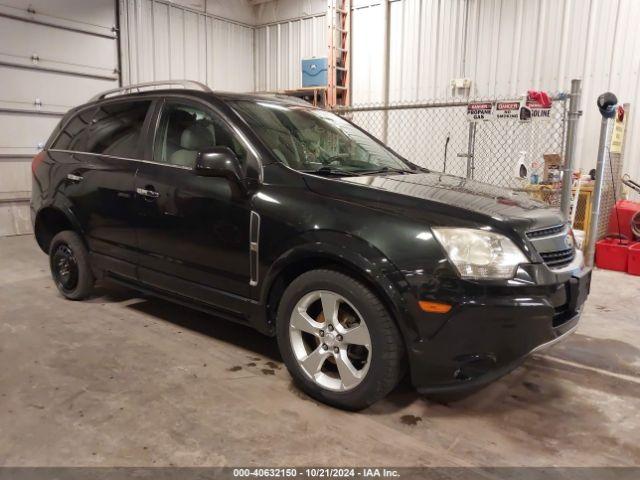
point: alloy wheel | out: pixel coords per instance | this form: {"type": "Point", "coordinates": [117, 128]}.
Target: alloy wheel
{"type": "Point", "coordinates": [330, 340]}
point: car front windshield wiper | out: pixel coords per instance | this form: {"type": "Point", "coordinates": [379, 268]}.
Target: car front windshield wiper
{"type": "Point", "coordinates": [338, 172]}
{"type": "Point", "coordinates": [387, 170]}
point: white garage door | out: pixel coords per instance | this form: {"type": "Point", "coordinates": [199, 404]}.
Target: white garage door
{"type": "Point", "coordinates": [53, 55]}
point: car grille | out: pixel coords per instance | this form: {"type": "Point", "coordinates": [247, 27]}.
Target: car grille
{"type": "Point", "coordinates": [551, 243]}
{"type": "Point", "coordinates": [559, 258]}
{"type": "Point", "coordinates": [545, 232]}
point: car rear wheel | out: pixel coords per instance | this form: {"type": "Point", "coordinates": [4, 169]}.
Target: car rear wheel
{"type": "Point", "coordinates": [338, 340]}
{"type": "Point", "coordinates": [70, 269]}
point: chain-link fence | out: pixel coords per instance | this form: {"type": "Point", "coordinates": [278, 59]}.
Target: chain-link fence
{"type": "Point", "coordinates": [440, 136]}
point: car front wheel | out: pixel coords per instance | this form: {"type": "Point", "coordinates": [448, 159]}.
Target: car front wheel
{"type": "Point", "coordinates": [338, 340]}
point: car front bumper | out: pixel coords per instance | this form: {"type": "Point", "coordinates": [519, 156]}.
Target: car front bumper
{"type": "Point", "coordinates": [486, 336]}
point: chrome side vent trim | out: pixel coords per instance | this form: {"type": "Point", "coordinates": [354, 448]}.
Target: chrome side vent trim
{"type": "Point", "coordinates": [254, 247]}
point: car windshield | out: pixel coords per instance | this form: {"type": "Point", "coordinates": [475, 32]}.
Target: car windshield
{"type": "Point", "coordinates": [317, 141]}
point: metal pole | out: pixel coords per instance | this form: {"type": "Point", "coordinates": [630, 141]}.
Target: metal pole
{"type": "Point", "coordinates": [471, 149]}
{"type": "Point", "coordinates": [570, 148]}
{"type": "Point", "coordinates": [607, 106]}
{"type": "Point", "coordinates": [386, 59]}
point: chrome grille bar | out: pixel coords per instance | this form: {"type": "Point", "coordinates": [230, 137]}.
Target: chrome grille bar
{"type": "Point", "coordinates": [553, 246]}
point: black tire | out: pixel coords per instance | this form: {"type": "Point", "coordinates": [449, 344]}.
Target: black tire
{"type": "Point", "coordinates": [69, 263]}
{"type": "Point", "coordinates": [387, 357]}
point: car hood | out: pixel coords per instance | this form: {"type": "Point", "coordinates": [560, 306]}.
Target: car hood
{"type": "Point", "coordinates": [464, 195]}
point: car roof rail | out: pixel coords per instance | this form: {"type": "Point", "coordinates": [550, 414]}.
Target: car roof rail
{"type": "Point", "coordinates": [140, 87]}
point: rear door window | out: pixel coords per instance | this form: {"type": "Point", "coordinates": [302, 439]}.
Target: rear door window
{"type": "Point", "coordinates": [116, 129]}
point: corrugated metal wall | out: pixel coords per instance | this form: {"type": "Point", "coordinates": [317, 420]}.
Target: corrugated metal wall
{"type": "Point", "coordinates": [161, 40]}
{"type": "Point", "coordinates": [279, 47]}
{"type": "Point", "coordinates": [54, 55]}
{"type": "Point", "coordinates": [426, 48]}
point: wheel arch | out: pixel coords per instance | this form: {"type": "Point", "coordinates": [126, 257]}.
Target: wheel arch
{"type": "Point", "coordinates": [49, 222]}
{"type": "Point", "coordinates": [376, 273]}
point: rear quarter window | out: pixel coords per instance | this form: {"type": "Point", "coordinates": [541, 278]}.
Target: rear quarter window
{"type": "Point", "coordinates": [74, 134]}
{"type": "Point", "coordinates": [116, 129]}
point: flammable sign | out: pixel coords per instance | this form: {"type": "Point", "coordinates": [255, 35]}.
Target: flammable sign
{"type": "Point", "coordinates": [539, 111]}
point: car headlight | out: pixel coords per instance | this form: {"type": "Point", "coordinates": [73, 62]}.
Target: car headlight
{"type": "Point", "coordinates": [478, 254]}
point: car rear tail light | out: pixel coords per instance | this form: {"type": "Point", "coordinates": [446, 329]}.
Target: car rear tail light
{"type": "Point", "coordinates": [37, 160]}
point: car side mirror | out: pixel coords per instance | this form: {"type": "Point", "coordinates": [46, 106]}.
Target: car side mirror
{"type": "Point", "coordinates": [218, 162]}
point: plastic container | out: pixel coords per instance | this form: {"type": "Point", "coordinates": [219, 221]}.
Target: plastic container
{"type": "Point", "coordinates": [612, 254]}
{"type": "Point", "coordinates": [626, 210]}
{"type": "Point", "coordinates": [633, 264]}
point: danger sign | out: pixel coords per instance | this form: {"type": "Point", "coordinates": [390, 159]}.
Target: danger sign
{"type": "Point", "coordinates": [479, 111]}
{"type": "Point", "coordinates": [539, 111]}
{"type": "Point", "coordinates": [507, 110]}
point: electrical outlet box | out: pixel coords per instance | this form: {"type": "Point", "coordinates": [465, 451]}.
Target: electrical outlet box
{"type": "Point", "coordinates": [461, 83]}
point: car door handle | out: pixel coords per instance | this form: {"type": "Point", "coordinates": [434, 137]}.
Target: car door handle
{"type": "Point", "coordinates": [74, 178]}
{"type": "Point", "coordinates": [147, 193]}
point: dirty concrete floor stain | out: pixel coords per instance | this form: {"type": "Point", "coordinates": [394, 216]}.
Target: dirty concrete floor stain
{"type": "Point", "coordinates": [411, 420]}
{"type": "Point", "coordinates": [119, 385]}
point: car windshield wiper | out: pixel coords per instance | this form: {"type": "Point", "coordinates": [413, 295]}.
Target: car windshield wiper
{"type": "Point", "coordinates": [386, 170]}
{"type": "Point", "coordinates": [326, 170]}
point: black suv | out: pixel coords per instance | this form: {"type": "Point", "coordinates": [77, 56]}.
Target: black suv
{"type": "Point", "coordinates": [290, 219]}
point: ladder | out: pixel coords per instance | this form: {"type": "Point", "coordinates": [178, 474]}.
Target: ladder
{"type": "Point", "coordinates": [339, 58]}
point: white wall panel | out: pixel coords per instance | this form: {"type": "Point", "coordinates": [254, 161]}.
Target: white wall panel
{"type": "Point", "coordinates": [96, 16]}
{"type": "Point", "coordinates": [21, 87]}
{"type": "Point", "coordinates": [426, 48]}
{"type": "Point", "coordinates": [161, 41]}
{"type": "Point", "coordinates": [230, 54]}
{"type": "Point", "coordinates": [277, 11]}
{"type": "Point", "coordinates": [22, 132]}
{"type": "Point", "coordinates": [238, 10]}
{"type": "Point", "coordinates": [281, 46]}
{"type": "Point", "coordinates": [367, 47]}
{"type": "Point", "coordinates": [91, 54]}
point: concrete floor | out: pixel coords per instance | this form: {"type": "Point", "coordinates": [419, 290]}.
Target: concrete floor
{"type": "Point", "coordinates": [130, 381]}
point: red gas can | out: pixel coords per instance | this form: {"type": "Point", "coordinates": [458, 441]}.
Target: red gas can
{"type": "Point", "coordinates": [612, 254]}
{"type": "Point", "coordinates": [633, 266]}
{"type": "Point", "coordinates": [626, 211]}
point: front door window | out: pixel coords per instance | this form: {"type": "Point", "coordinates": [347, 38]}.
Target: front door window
{"type": "Point", "coordinates": [186, 130]}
